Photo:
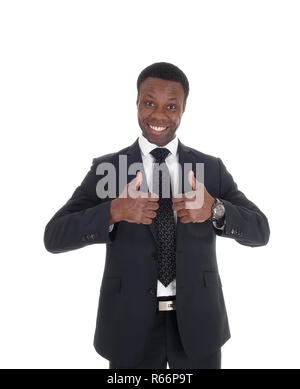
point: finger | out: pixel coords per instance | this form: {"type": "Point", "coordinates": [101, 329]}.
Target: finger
{"type": "Point", "coordinates": [176, 207]}
{"type": "Point", "coordinates": [150, 214]}
{"type": "Point", "coordinates": [185, 219]}
{"type": "Point", "coordinates": [144, 195]}
{"type": "Point", "coordinates": [184, 196]}
{"type": "Point", "coordinates": [182, 213]}
{"type": "Point", "coordinates": [147, 220]}
{"type": "Point", "coordinates": [178, 198]}
{"type": "Point", "coordinates": [153, 196]}
{"type": "Point", "coordinates": [190, 196]}
{"type": "Point", "coordinates": [152, 206]}
{"type": "Point", "coordinates": [148, 196]}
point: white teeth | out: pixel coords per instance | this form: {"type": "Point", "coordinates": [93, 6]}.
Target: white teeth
{"type": "Point", "coordinates": [158, 128]}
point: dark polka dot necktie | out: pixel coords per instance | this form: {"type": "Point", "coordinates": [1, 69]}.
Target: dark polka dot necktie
{"type": "Point", "coordinates": [164, 220]}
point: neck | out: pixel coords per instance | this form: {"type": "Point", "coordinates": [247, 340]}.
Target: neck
{"type": "Point", "coordinates": [162, 144]}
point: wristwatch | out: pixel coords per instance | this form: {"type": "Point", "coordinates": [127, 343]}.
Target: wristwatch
{"type": "Point", "coordinates": [218, 210]}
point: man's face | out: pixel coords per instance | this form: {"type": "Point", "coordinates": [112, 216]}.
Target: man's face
{"type": "Point", "coordinates": [160, 104]}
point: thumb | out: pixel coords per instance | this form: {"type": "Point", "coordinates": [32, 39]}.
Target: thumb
{"type": "Point", "coordinates": [192, 179]}
{"type": "Point", "coordinates": [139, 180]}
{"type": "Point", "coordinates": [134, 185]}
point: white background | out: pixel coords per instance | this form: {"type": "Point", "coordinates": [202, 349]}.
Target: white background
{"type": "Point", "coordinates": [68, 91]}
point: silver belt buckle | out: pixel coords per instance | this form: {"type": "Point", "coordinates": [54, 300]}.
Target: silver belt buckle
{"type": "Point", "coordinates": [166, 305]}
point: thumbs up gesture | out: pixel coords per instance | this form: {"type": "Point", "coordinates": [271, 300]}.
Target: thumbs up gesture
{"type": "Point", "coordinates": [133, 205]}
{"type": "Point", "coordinates": [194, 206]}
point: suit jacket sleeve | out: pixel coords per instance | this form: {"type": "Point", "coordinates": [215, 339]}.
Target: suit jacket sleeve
{"type": "Point", "coordinates": [244, 220]}
{"type": "Point", "coordinates": [82, 221]}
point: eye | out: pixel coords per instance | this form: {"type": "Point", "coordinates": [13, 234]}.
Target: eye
{"type": "Point", "coordinates": [173, 107]}
{"type": "Point", "coordinates": [149, 103]}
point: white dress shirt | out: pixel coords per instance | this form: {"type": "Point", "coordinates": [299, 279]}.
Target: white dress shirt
{"type": "Point", "coordinates": [172, 162]}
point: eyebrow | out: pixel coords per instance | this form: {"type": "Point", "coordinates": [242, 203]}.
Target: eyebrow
{"type": "Point", "coordinates": [170, 98]}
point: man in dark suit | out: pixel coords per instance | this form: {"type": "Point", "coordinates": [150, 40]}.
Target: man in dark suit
{"type": "Point", "coordinates": [161, 297]}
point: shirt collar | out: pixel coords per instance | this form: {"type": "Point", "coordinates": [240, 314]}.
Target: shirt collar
{"type": "Point", "coordinates": [146, 146]}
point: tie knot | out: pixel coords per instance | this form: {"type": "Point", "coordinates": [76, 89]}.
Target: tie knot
{"type": "Point", "coordinates": [160, 154]}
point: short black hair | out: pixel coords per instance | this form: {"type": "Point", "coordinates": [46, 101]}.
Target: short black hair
{"type": "Point", "coordinates": [165, 71]}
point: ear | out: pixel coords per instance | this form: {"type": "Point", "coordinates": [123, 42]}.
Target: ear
{"type": "Point", "coordinates": [183, 108]}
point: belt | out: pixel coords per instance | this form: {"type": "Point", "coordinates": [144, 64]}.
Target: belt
{"type": "Point", "coordinates": [166, 305]}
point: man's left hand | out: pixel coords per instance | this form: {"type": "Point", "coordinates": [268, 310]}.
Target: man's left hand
{"type": "Point", "coordinates": [194, 206]}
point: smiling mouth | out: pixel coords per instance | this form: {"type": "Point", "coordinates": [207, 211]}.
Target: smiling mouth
{"type": "Point", "coordinates": [157, 129]}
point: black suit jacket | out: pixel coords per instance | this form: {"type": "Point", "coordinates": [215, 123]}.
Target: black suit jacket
{"type": "Point", "coordinates": [127, 301]}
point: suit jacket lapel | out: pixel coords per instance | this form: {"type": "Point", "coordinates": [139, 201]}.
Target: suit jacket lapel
{"type": "Point", "coordinates": [134, 155]}
{"type": "Point", "coordinates": [187, 162]}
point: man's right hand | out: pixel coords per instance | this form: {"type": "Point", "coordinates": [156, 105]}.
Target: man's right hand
{"type": "Point", "coordinates": [133, 205]}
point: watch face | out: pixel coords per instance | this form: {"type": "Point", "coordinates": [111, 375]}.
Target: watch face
{"type": "Point", "coordinates": [219, 211]}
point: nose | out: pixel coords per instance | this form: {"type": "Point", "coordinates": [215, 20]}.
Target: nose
{"type": "Point", "coordinates": [159, 116]}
